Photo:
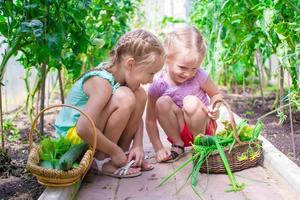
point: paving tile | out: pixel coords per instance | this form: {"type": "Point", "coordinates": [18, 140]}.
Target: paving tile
{"type": "Point", "coordinates": [98, 187]}
{"type": "Point", "coordinates": [146, 185]}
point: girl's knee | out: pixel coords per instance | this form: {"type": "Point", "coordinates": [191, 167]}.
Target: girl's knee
{"type": "Point", "coordinates": [124, 98]}
{"type": "Point", "coordinates": [140, 95]}
{"type": "Point", "coordinates": [191, 105]}
{"type": "Point", "coordinates": [83, 130]}
{"type": "Point", "coordinates": [163, 104]}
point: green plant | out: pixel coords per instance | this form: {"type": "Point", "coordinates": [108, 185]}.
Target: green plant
{"type": "Point", "coordinates": [12, 133]}
{"type": "Point", "coordinates": [238, 31]}
{"type": "Point", "coordinates": [75, 35]}
{"type": "Point", "coordinates": [249, 112]}
{"type": "Point", "coordinates": [204, 146]}
{"type": "Point", "coordinates": [52, 149]}
{"type": "Point", "coordinates": [68, 159]}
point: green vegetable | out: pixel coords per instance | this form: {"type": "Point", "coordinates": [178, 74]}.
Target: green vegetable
{"type": "Point", "coordinates": [74, 153]}
{"type": "Point", "coordinates": [257, 129]}
{"type": "Point", "coordinates": [204, 146]}
{"type": "Point", "coordinates": [234, 184]}
{"type": "Point", "coordinates": [52, 149]}
{"type": "Point", "coordinates": [75, 165]}
{"type": "Point", "coordinates": [46, 164]}
{"type": "Point", "coordinates": [207, 140]}
{"type": "Point", "coordinates": [204, 140]}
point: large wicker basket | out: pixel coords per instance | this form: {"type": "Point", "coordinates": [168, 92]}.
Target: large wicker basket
{"type": "Point", "coordinates": [53, 177]}
{"type": "Point", "coordinates": [215, 164]}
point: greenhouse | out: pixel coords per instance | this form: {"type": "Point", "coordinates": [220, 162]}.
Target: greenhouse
{"type": "Point", "coordinates": [149, 99]}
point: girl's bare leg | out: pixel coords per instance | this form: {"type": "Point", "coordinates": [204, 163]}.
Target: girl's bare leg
{"type": "Point", "coordinates": [170, 117]}
{"type": "Point", "coordinates": [134, 124]}
{"type": "Point", "coordinates": [194, 115]}
{"type": "Point", "coordinates": [113, 120]}
{"type": "Point", "coordinates": [134, 120]}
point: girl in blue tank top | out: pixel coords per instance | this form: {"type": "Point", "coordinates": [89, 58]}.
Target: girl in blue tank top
{"type": "Point", "coordinates": [111, 95]}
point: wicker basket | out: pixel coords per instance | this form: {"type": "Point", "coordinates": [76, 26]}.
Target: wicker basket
{"type": "Point", "coordinates": [215, 164]}
{"type": "Point", "coordinates": [53, 177]}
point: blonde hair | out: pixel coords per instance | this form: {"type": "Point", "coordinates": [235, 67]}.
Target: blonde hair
{"type": "Point", "coordinates": [142, 45]}
{"type": "Point", "coordinates": [185, 39]}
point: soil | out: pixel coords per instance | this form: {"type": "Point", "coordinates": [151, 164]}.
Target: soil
{"type": "Point", "coordinates": [17, 183]}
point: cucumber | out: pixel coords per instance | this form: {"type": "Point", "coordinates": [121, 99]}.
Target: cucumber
{"type": "Point", "coordinates": [74, 153]}
{"type": "Point", "coordinates": [46, 164]}
{"type": "Point", "coordinates": [204, 140]}
{"type": "Point", "coordinates": [208, 140]}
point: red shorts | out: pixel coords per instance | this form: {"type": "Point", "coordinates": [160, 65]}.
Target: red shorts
{"type": "Point", "coordinates": [187, 136]}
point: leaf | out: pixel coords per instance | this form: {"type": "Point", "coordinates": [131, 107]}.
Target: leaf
{"type": "Point", "coordinates": [36, 24]}
{"type": "Point", "coordinates": [98, 42]}
{"type": "Point", "coordinates": [3, 26]}
{"type": "Point", "coordinates": [38, 32]}
{"type": "Point", "coordinates": [47, 150]}
{"type": "Point", "coordinates": [61, 146]}
{"type": "Point", "coordinates": [25, 27]}
{"type": "Point", "coordinates": [31, 6]}
{"type": "Point", "coordinates": [268, 17]}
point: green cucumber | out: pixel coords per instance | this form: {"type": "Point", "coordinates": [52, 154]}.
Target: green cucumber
{"type": "Point", "coordinates": [46, 164]}
{"type": "Point", "coordinates": [74, 153]}
{"type": "Point", "coordinates": [208, 140]}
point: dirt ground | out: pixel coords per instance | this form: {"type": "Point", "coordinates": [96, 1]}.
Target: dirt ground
{"type": "Point", "coordinates": [17, 183]}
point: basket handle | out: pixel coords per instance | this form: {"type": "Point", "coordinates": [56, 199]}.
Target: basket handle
{"type": "Point", "coordinates": [231, 118]}
{"type": "Point", "coordinates": [63, 105]}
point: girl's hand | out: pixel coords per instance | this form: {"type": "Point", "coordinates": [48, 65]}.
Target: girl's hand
{"type": "Point", "coordinates": [213, 113]}
{"type": "Point", "coordinates": [162, 154]}
{"type": "Point", "coordinates": [137, 154]}
{"type": "Point", "coordinates": [119, 158]}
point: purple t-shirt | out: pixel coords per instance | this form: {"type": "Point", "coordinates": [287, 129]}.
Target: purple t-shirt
{"type": "Point", "coordinates": [161, 87]}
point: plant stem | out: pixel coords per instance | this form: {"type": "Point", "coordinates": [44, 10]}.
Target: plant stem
{"type": "Point", "coordinates": [293, 6]}
{"type": "Point", "coordinates": [1, 119]}
{"type": "Point", "coordinates": [178, 169]}
{"type": "Point", "coordinates": [232, 179]}
{"type": "Point", "coordinates": [273, 111]}
{"type": "Point", "coordinates": [291, 121]}
{"type": "Point", "coordinates": [42, 103]}
{"type": "Point", "coordinates": [260, 75]}
{"type": "Point", "coordinates": [60, 86]}
{"type": "Point", "coordinates": [11, 51]}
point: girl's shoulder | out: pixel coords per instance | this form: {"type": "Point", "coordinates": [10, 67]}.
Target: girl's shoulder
{"type": "Point", "coordinates": [201, 72]}
{"type": "Point", "coordinates": [201, 76]}
{"type": "Point", "coordinates": [160, 77]}
{"type": "Point", "coordinates": [101, 73]}
{"type": "Point", "coordinates": [159, 84]}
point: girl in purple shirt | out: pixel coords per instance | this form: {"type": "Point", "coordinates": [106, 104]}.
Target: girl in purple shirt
{"type": "Point", "coordinates": [181, 97]}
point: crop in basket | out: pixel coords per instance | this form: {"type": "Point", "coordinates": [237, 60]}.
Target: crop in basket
{"type": "Point", "coordinates": [204, 146]}
{"type": "Point", "coordinates": [60, 153]}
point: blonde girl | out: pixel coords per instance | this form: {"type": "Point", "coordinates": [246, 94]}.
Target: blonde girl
{"type": "Point", "coordinates": [181, 97]}
{"type": "Point", "coordinates": [112, 97]}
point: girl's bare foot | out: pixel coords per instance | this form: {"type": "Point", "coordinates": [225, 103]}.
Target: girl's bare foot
{"type": "Point", "coordinates": [110, 170]}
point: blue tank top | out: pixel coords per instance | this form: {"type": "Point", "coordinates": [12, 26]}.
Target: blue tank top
{"type": "Point", "coordinates": [68, 117]}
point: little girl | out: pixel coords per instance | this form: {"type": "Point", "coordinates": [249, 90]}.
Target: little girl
{"type": "Point", "coordinates": [112, 97]}
{"type": "Point", "coordinates": [178, 98]}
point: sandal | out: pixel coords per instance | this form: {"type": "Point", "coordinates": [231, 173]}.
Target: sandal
{"type": "Point", "coordinates": [174, 155]}
{"type": "Point", "coordinates": [145, 165]}
{"type": "Point", "coordinates": [121, 172]}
